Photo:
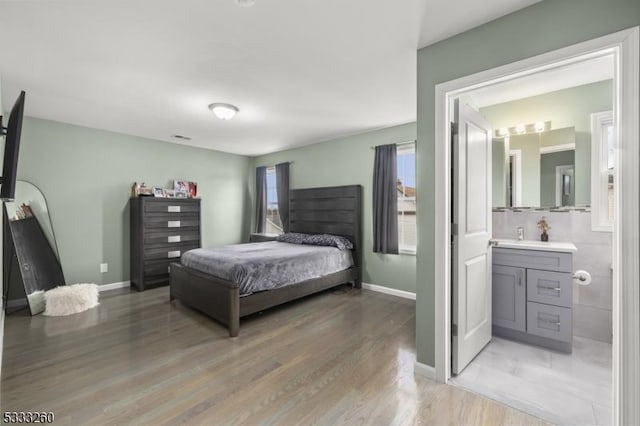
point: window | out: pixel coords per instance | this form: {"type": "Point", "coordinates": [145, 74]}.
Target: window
{"type": "Point", "coordinates": [274, 224]}
{"type": "Point", "coordinates": [407, 226]}
{"type": "Point", "coordinates": [603, 146]}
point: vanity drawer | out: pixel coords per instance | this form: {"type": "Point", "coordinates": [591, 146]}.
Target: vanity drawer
{"type": "Point", "coordinates": [555, 288]}
{"type": "Point", "coordinates": [552, 322]}
{"type": "Point", "coordinates": [537, 259]}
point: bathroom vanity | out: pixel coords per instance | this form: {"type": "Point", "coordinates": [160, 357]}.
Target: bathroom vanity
{"type": "Point", "coordinates": [533, 292]}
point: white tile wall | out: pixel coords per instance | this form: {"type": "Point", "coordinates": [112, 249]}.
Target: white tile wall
{"type": "Point", "coordinates": [593, 303]}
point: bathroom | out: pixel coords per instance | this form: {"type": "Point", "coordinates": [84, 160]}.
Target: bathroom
{"type": "Point", "coordinates": [552, 164]}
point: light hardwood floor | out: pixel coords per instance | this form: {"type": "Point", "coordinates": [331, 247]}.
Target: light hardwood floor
{"type": "Point", "coordinates": [341, 357]}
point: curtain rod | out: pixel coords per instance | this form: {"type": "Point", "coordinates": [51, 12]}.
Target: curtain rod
{"type": "Point", "coordinates": [398, 143]}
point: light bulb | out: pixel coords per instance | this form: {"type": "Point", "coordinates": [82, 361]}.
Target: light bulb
{"type": "Point", "coordinates": [224, 111]}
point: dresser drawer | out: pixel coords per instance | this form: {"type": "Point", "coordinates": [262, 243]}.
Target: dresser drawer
{"type": "Point", "coordinates": [168, 222]}
{"type": "Point", "coordinates": [172, 207]}
{"type": "Point", "coordinates": [168, 252]}
{"type": "Point", "coordinates": [158, 267]}
{"type": "Point", "coordinates": [552, 322]}
{"type": "Point", "coordinates": [555, 288]}
{"type": "Point", "coordinates": [536, 259]}
{"type": "Point", "coordinates": [177, 236]}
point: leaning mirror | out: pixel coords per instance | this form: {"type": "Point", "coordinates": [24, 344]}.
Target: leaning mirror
{"type": "Point", "coordinates": [31, 262]}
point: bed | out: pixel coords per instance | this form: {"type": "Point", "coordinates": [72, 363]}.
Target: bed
{"type": "Point", "coordinates": [226, 297]}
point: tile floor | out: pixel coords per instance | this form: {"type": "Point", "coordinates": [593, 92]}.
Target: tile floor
{"type": "Point", "coordinates": [565, 389]}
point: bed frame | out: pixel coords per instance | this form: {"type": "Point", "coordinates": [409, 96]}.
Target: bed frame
{"type": "Point", "coordinates": [331, 210]}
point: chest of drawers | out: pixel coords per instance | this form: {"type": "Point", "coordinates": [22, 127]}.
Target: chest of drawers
{"type": "Point", "coordinates": [161, 230]}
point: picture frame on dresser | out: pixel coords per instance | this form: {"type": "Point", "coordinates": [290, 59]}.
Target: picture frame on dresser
{"type": "Point", "coordinates": [162, 229]}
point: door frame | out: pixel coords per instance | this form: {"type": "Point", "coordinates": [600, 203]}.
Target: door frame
{"type": "Point", "coordinates": [559, 184]}
{"type": "Point", "coordinates": [626, 245]}
{"type": "Point", "coordinates": [516, 177]}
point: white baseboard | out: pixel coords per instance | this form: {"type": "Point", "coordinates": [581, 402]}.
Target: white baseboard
{"type": "Point", "coordinates": [114, 286]}
{"type": "Point", "coordinates": [424, 370]}
{"type": "Point", "coordinates": [391, 291]}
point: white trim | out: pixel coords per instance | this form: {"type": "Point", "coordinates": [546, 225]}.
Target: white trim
{"type": "Point", "coordinates": [21, 303]}
{"type": "Point", "coordinates": [559, 183]}
{"type": "Point", "coordinates": [114, 286]}
{"type": "Point", "coordinates": [558, 148]}
{"type": "Point", "coordinates": [424, 370]}
{"type": "Point", "coordinates": [624, 45]}
{"type": "Point", "coordinates": [516, 175]}
{"type": "Point", "coordinates": [599, 180]}
{"type": "Point", "coordinates": [388, 290]}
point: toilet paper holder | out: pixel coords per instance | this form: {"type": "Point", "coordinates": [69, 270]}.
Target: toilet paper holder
{"type": "Point", "coordinates": [582, 277]}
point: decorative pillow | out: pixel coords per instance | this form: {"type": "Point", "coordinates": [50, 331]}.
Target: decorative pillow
{"type": "Point", "coordinates": [292, 237]}
{"type": "Point", "coordinates": [341, 243]}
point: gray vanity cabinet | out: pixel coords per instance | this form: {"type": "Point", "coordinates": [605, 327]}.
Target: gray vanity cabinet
{"type": "Point", "coordinates": [509, 304]}
{"type": "Point", "coordinates": [533, 297]}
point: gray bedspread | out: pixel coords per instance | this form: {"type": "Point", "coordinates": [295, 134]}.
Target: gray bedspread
{"type": "Point", "coordinates": [267, 265]}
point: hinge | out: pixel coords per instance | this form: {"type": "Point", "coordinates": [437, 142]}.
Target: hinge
{"type": "Point", "coordinates": [454, 329]}
{"type": "Point", "coordinates": [454, 128]}
{"type": "Point", "coordinates": [454, 229]}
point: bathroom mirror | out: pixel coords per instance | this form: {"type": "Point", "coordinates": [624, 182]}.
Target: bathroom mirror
{"type": "Point", "coordinates": [31, 263]}
{"type": "Point", "coordinates": [545, 169]}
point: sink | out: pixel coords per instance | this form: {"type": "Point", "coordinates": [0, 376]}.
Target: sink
{"type": "Point", "coordinates": [558, 246]}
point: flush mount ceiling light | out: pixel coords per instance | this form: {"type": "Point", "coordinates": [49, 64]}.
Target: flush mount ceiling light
{"type": "Point", "coordinates": [224, 111]}
{"type": "Point", "coordinates": [245, 3]}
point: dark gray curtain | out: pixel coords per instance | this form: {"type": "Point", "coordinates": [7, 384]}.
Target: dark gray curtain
{"type": "Point", "coordinates": [385, 200]}
{"type": "Point", "coordinates": [261, 198]}
{"type": "Point", "coordinates": [282, 188]}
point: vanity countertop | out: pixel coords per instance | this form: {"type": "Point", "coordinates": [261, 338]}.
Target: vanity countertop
{"type": "Point", "coordinates": [557, 246]}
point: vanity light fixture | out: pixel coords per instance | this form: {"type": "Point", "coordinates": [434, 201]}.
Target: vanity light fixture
{"type": "Point", "coordinates": [245, 3]}
{"type": "Point", "coordinates": [224, 111]}
{"type": "Point", "coordinates": [522, 129]}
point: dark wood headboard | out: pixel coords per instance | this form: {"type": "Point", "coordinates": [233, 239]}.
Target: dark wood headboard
{"type": "Point", "coordinates": [330, 210]}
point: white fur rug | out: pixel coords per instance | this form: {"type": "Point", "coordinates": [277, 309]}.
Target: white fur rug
{"type": "Point", "coordinates": [70, 299]}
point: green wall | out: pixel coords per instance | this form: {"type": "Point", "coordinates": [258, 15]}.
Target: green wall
{"type": "Point", "coordinates": [86, 176]}
{"type": "Point", "coordinates": [348, 161]}
{"type": "Point", "coordinates": [545, 26]}
{"type": "Point", "coordinates": [564, 108]}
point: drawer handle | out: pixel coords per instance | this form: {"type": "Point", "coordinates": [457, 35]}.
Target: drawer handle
{"type": "Point", "coordinates": [172, 254]}
{"type": "Point", "coordinates": [173, 224]}
{"type": "Point", "coordinates": [548, 321]}
{"type": "Point", "coordinates": [549, 288]}
{"type": "Point", "coordinates": [173, 239]}
{"type": "Point", "coordinates": [173, 209]}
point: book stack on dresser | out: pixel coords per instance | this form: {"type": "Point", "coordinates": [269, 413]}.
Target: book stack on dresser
{"type": "Point", "coordinates": [162, 229]}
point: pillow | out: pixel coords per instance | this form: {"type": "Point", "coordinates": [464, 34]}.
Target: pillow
{"type": "Point", "coordinates": [292, 237]}
{"type": "Point", "coordinates": [341, 243]}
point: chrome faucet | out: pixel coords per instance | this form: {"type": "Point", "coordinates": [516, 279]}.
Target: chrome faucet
{"type": "Point", "coordinates": [520, 233]}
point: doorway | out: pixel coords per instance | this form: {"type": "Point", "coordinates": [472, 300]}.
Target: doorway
{"type": "Point", "coordinates": [626, 299]}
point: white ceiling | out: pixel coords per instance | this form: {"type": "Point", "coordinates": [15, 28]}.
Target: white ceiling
{"type": "Point", "coordinates": [301, 71]}
{"type": "Point", "coordinates": [573, 75]}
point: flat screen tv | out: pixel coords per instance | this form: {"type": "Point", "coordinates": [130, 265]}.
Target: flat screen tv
{"type": "Point", "coordinates": [11, 147]}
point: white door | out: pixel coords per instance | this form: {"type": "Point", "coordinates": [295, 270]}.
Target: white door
{"type": "Point", "coordinates": [471, 267]}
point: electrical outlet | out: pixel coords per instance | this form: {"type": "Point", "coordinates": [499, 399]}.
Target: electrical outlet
{"type": "Point", "coordinates": [104, 267]}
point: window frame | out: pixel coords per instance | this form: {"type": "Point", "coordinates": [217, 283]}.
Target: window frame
{"type": "Point", "coordinates": [407, 148]}
{"type": "Point", "coordinates": [600, 121]}
{"type": "Point", "coordinates": [271, 170]}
